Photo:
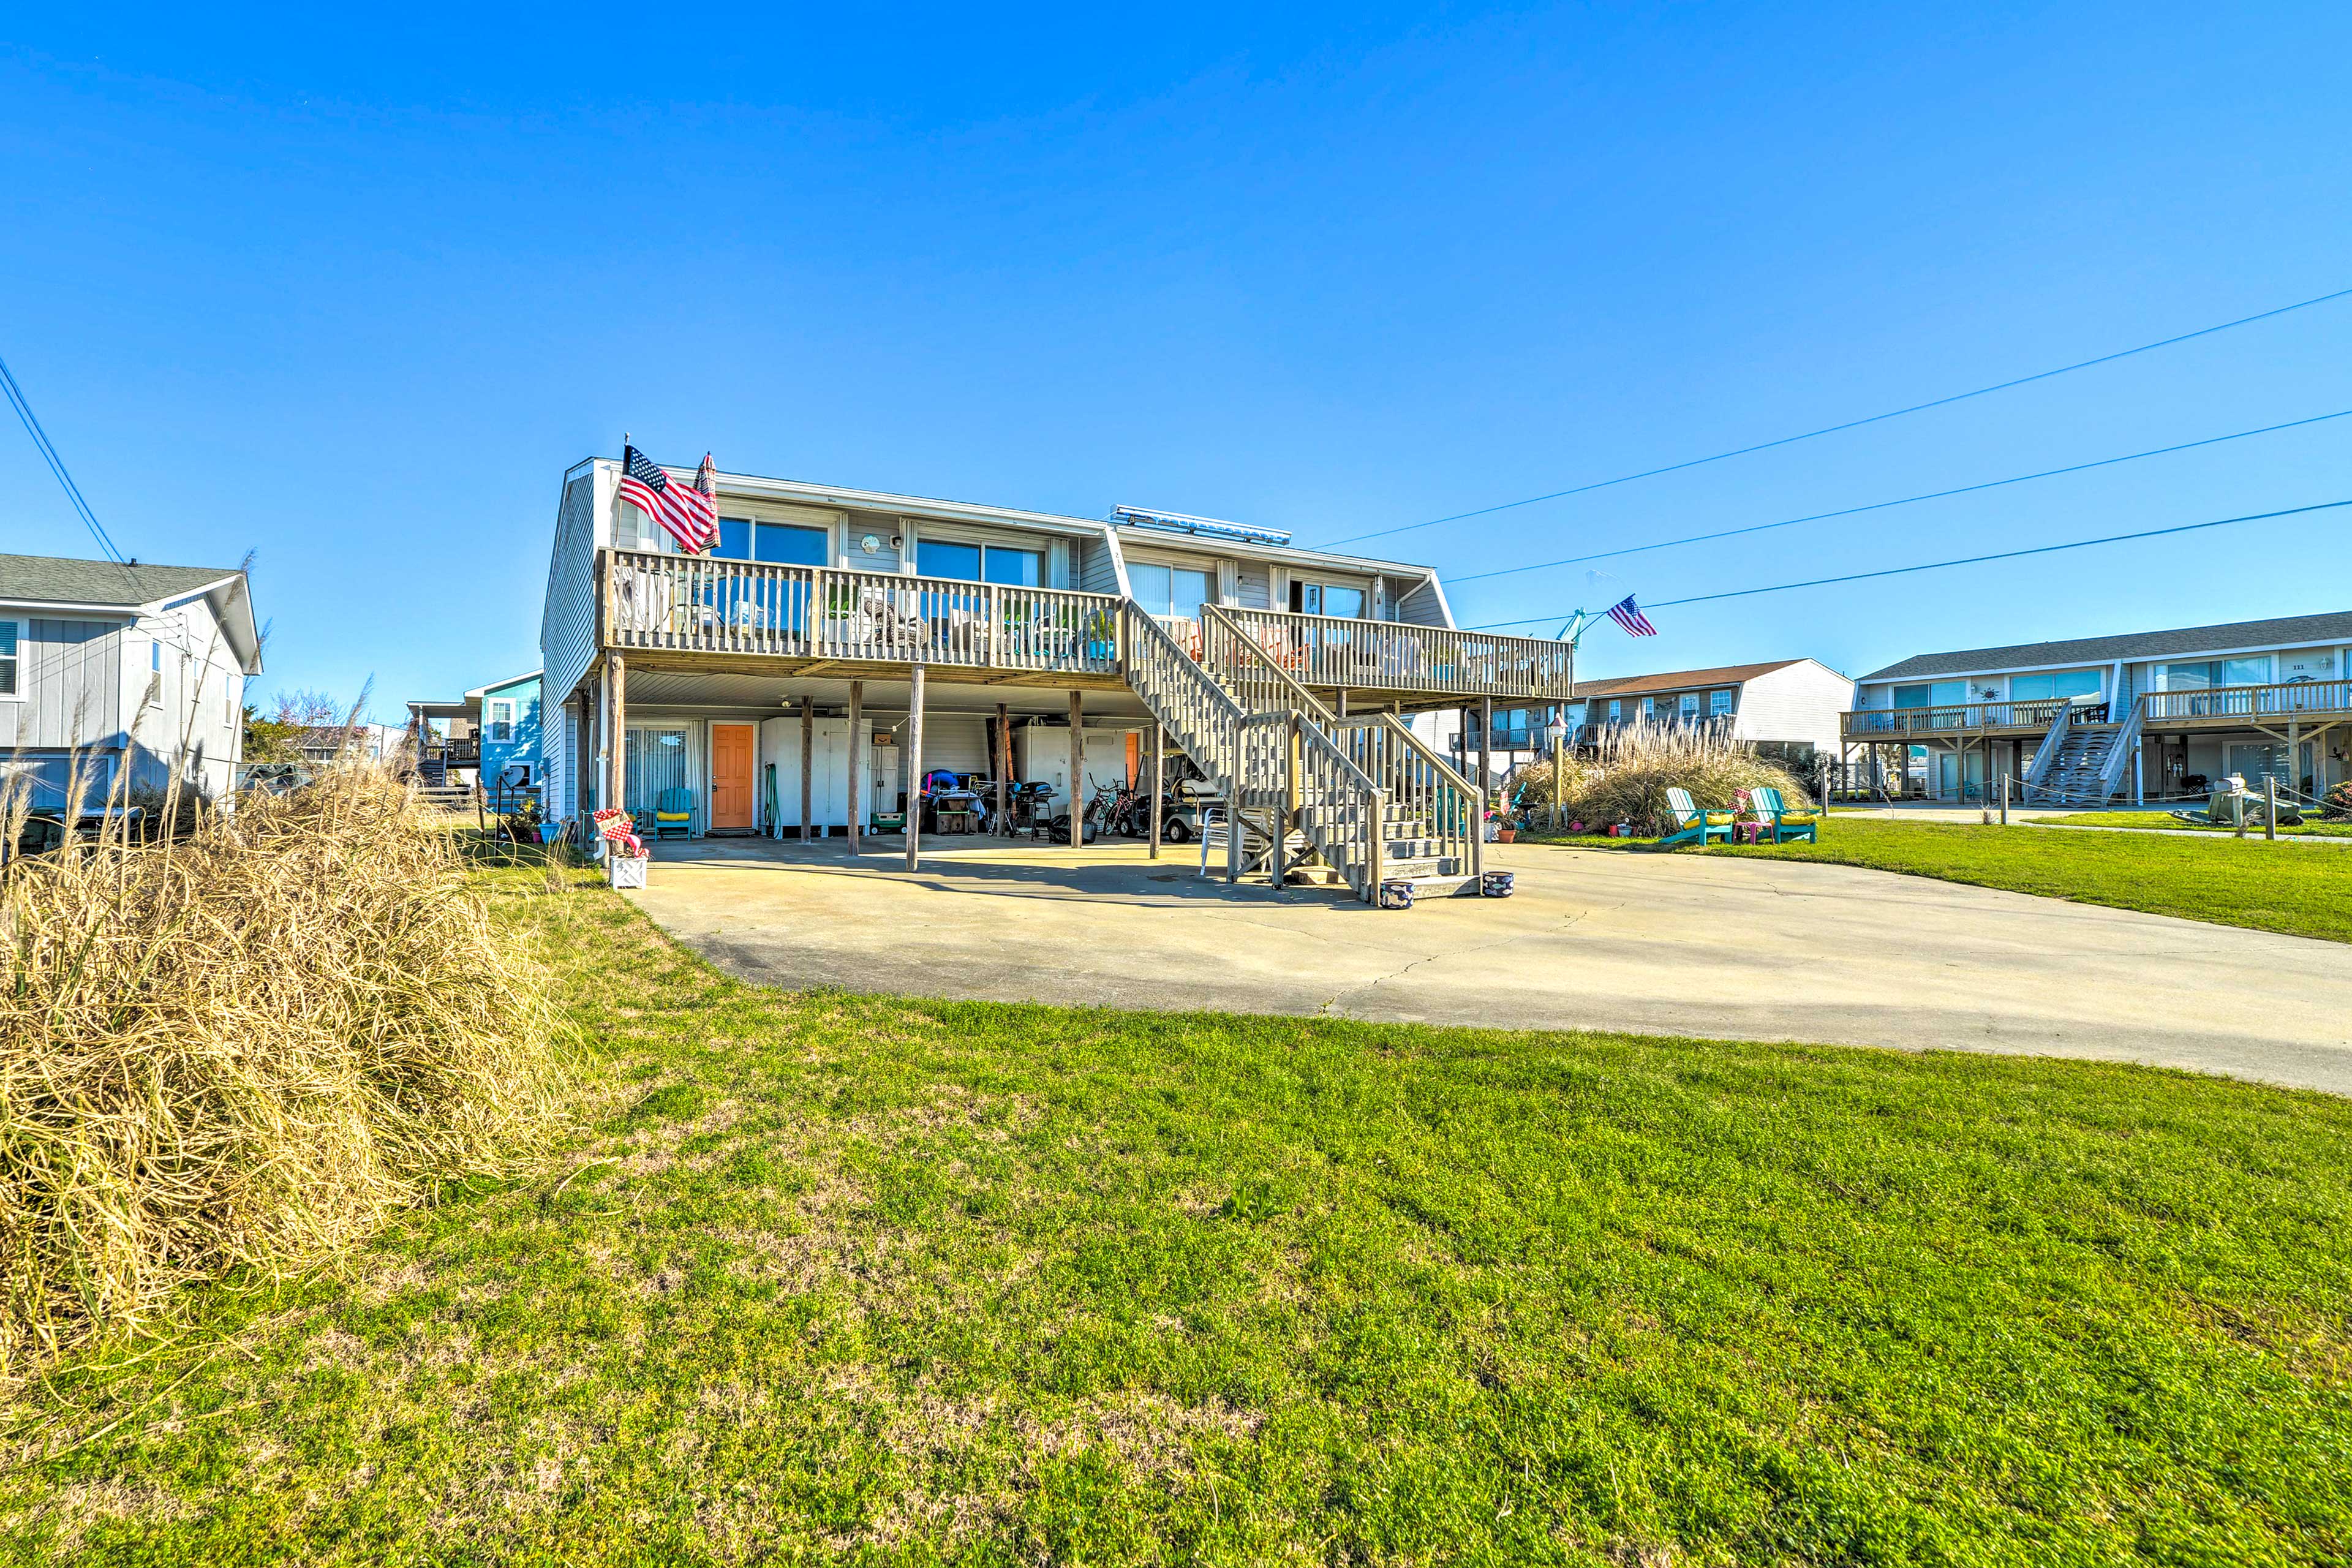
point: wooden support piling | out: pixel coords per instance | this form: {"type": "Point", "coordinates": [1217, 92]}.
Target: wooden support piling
{"type": "Point", "coordinates": [1077, 768]}
{"type": "Point", "coordinates": [619, 769]}
{"type": "Point", "coordinates": [1002, 764]}
{"type": "Point", "coordinates": [915, 768]}
{"type": "Point", "coordinates": [1159, 783]}
{"type": "Point", "coordinates": [808, 768]}
{"type": "Point", "coordinates": [857, 767]}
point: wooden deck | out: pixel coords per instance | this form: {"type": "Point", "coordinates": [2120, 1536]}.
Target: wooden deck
{"type": "Point", "coordinates": [694, 613]}
{"type": "Point", "coordinates": [2310, 703]}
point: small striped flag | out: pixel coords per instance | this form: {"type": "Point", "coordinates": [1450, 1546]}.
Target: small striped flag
{"type": "Point", "coordinates": [686, 512]}
{"type": "Point", "coordinates": [1628, 614]}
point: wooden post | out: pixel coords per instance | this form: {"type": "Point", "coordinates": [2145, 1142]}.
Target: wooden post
{"type": "Point", "coordinates": [2270, 805]}
{"type": "Point", "coordinates": [1158, 781]}
{"type": "Point", "coordinates": [1485, 756]}
{"type": "Point", "coordinates": [1557, 774]}
{"type": "Point", "coordinates": [620, 765]}
{"type": "Point", "coordinates": [915, 768]}
{"type": "Point", "coordinates": [857, 766]}
{"type": "Point", "coordinates": [1293, 786]}
{"type": "Point", "coordinates": [1001, 765]}
{"type": "Point", "coordinates": [1077, 768]}
{"type": "Point", "coordinates": [2005, 799]}
{"type": "Point", "coordinates": [808, 768]}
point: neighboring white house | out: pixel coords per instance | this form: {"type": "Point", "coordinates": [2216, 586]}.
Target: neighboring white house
{"type": "Point", "coordinates": [2191, 704]}
{"type": "Point", "coordinates": [127, 665]}
{"type": "Point", "coordinates": [1787, 708]}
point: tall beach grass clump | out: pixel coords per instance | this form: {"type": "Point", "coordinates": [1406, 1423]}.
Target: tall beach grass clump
{"type": "Point", "coordinates": [244, 1049]}
{"type": "Point", "coordinates": [1627, 779]}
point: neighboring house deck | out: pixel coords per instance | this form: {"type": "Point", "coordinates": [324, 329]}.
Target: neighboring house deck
{"type": "Point", "coordinates": [125, 667]}
{"type": "Point", "coordinates": [2149, 713]}
{"type": "Point", "coordinates": [828, 619]}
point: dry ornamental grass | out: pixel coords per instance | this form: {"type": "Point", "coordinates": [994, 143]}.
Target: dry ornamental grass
{"type": "Point", "coordinates": [244, 1049]}
{"type": "Point", "coordinates": [1637, 765]}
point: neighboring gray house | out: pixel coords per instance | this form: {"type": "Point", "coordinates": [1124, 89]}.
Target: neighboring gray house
{"type": "Point", "coordinates": [1787, 709]}
{"type": "Point", "coordinates": [2148, 713]}
{"type": "Point", "coordinates": [134, 666]}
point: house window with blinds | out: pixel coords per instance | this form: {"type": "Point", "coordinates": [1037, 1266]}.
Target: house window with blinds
{"type": "Point", "coordinates": [501, 720]}
{"type": "Point", "coordinates": [9, 659]}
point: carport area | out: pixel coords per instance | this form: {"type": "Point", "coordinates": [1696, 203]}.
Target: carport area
{"type": "Point", "coordinates": [1727, 948]}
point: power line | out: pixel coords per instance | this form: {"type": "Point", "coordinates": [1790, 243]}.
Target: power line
{"type": "Point", "coordinates": [1855, 423]}
{"type": "Point", "coordinates": [32, 423]}
{"type": "Point", "coordinates": [1906, 501]}
{"type": "Point", "coordinates": [1964, 561]}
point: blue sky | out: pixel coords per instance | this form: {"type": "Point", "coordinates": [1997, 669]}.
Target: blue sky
{"type": "Point", "coordinates": [353, 292]}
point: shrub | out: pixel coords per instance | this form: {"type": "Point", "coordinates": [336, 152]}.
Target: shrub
{"type": "Point", "coordinates": [1636, 765]}
{"type": "Point", "coordinates": [2337, 804]}
{"type": "Point", "coordinates": [244, 1049]}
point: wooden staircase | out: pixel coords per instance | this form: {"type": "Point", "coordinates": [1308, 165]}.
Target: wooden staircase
{"type": "Point", "coordinates": [1355, 801]}
{"type": "Point", "coordinates": [2082, 761]}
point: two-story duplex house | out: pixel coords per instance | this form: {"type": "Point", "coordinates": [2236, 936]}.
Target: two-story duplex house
{"type": "Point", "coordinates": [131, 667]}
{"type": "Point", "coordinates": [2147, 714]}
{"type": "Point", "coordinates": [839, 647]}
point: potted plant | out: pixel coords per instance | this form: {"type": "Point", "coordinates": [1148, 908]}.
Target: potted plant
{"type": "Point", "coordinates": [1102, 635]}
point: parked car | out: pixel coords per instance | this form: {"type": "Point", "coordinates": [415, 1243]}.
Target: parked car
{"type": "Point", "coordinates": [44, 832]}
{"type": "Point", "coordinates": [277, 778]}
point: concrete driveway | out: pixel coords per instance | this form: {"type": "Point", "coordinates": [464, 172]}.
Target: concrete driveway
{"type": "Point", "coordinates": [1733, 949]}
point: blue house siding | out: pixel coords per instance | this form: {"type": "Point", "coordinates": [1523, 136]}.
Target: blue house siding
{"type": "Point", "coordinates": [521, 741]}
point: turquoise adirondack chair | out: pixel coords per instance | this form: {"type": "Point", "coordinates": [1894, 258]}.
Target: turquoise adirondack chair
{"type": "Point", "coordinates": [674, 813]}
{"type": "Point", "coordinates": [1771, 811]}
{"type": "Point", "coordinates": [1692, 825]}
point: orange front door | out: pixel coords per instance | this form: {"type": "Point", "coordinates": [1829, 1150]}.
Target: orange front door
{"type": "Point", "coordinates": [730, 775]}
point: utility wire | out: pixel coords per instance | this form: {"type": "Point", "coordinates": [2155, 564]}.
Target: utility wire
{"type": "Point", "coordinates": [1906, 501]}
{"type": "Point", "coordinates": [1964, 561]}
{"type": "Point", "coordinates": [1856, 424]}
{"type": "Point", "coordinates": [32, 423]}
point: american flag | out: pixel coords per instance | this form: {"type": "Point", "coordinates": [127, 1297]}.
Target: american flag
{"type": "Point", "coordinates": [1628, 614]}
{"type": "Point", "coordinates": [689, 513]}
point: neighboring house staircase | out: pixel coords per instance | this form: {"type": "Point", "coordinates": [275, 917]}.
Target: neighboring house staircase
{"type": "Point", "coordinates": [1358, 801]}
{"type": "Point", "coordinates": [2084, 762]}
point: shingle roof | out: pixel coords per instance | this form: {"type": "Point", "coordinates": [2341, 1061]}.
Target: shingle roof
{"type": "Point", "coordinates": [55, 580]}
{"type": "Point", "coordinates": [2284, 632]}
{"type": "Point", "coordinates": [1679, 679]}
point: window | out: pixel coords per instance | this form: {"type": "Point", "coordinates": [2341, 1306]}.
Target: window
{"type": "Point", "coordinates": [2061, 683]}
{"type": "Point", "coordinates": [1689, 707]}
{"type": "Point", "coordinates": [1616, 711]}
{"type": "Point", "coordinates": [2206, 674]}
{"type": "Point", "coordinates": [998, 564]}
{"type": "Point", "coordinates": [947, 558]}
{"type": "Point", "coordinates": [1009, 568]}
{"type": "Point", "coordinates": [1649, 709]}
{"type": "Point", "coordinates": [155, 656]}
{"type": "Point", "coordinates": [501, 720]}
{"type": "Point", "coordinates": [655, 760]}
{"type": "Point", "coordinates": [1938, 694]}
{"type": "Point", "coordinates": [741, 539]}
{"type": "Point", "coordinates": [1327, 599]}
{"type": "Point", "coordinates": [1718, 704]}
{"type": "Point", "coordinates": [7, 659]}
{"type": "Point", "coordinates": [1170, 592]}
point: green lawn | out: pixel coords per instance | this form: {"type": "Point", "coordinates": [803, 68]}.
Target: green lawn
{"type": "Point", "coordinates": [2310, 828]}
{"type": "Point", "coordinates": [2299, 890]}
{"type": "Point", "coordinates": [829, 1277]}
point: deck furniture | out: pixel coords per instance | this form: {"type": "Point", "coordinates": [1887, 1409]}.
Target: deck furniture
{"type": "Point", "coordinates": [1692, 825]}
{"type": "Point", "coordinates": [674, 813]}
{"type": "Point", "coordinates": [1773, 813]}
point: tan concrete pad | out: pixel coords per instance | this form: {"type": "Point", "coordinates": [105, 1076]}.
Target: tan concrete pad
{"type": "Point", "coordinates": [1734, 949]}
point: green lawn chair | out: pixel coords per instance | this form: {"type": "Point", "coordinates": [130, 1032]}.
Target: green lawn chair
{"type": "Point", "coordinates": [1692, 825]}
{"type": "Point", "coordinates": [674, 813]}
{"type": "Point", "coordinates": [1771, 811]}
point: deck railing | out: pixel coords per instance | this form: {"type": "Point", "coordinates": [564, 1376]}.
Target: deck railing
{"type": "Point", "coordinates": [695, 604]}
{"type": "Point", "coordinates": [1395, 656]}
{"type": "Point", "coordinates": [2278, 701]}
{"type": "Point", "coordinates": [1953, 718]}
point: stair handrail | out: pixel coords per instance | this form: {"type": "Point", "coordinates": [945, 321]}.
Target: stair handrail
{"type": "Point", "coordinates": [2046, 755]}
{"type": "Point", "coordinates": [2127, 740]}
{"type": "Point", "coordinates": [1346, 822]}
{"type": "Point", "coordinates": [1206, 715]}
{"type": "Point", "coordinates": [1462, 830]}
